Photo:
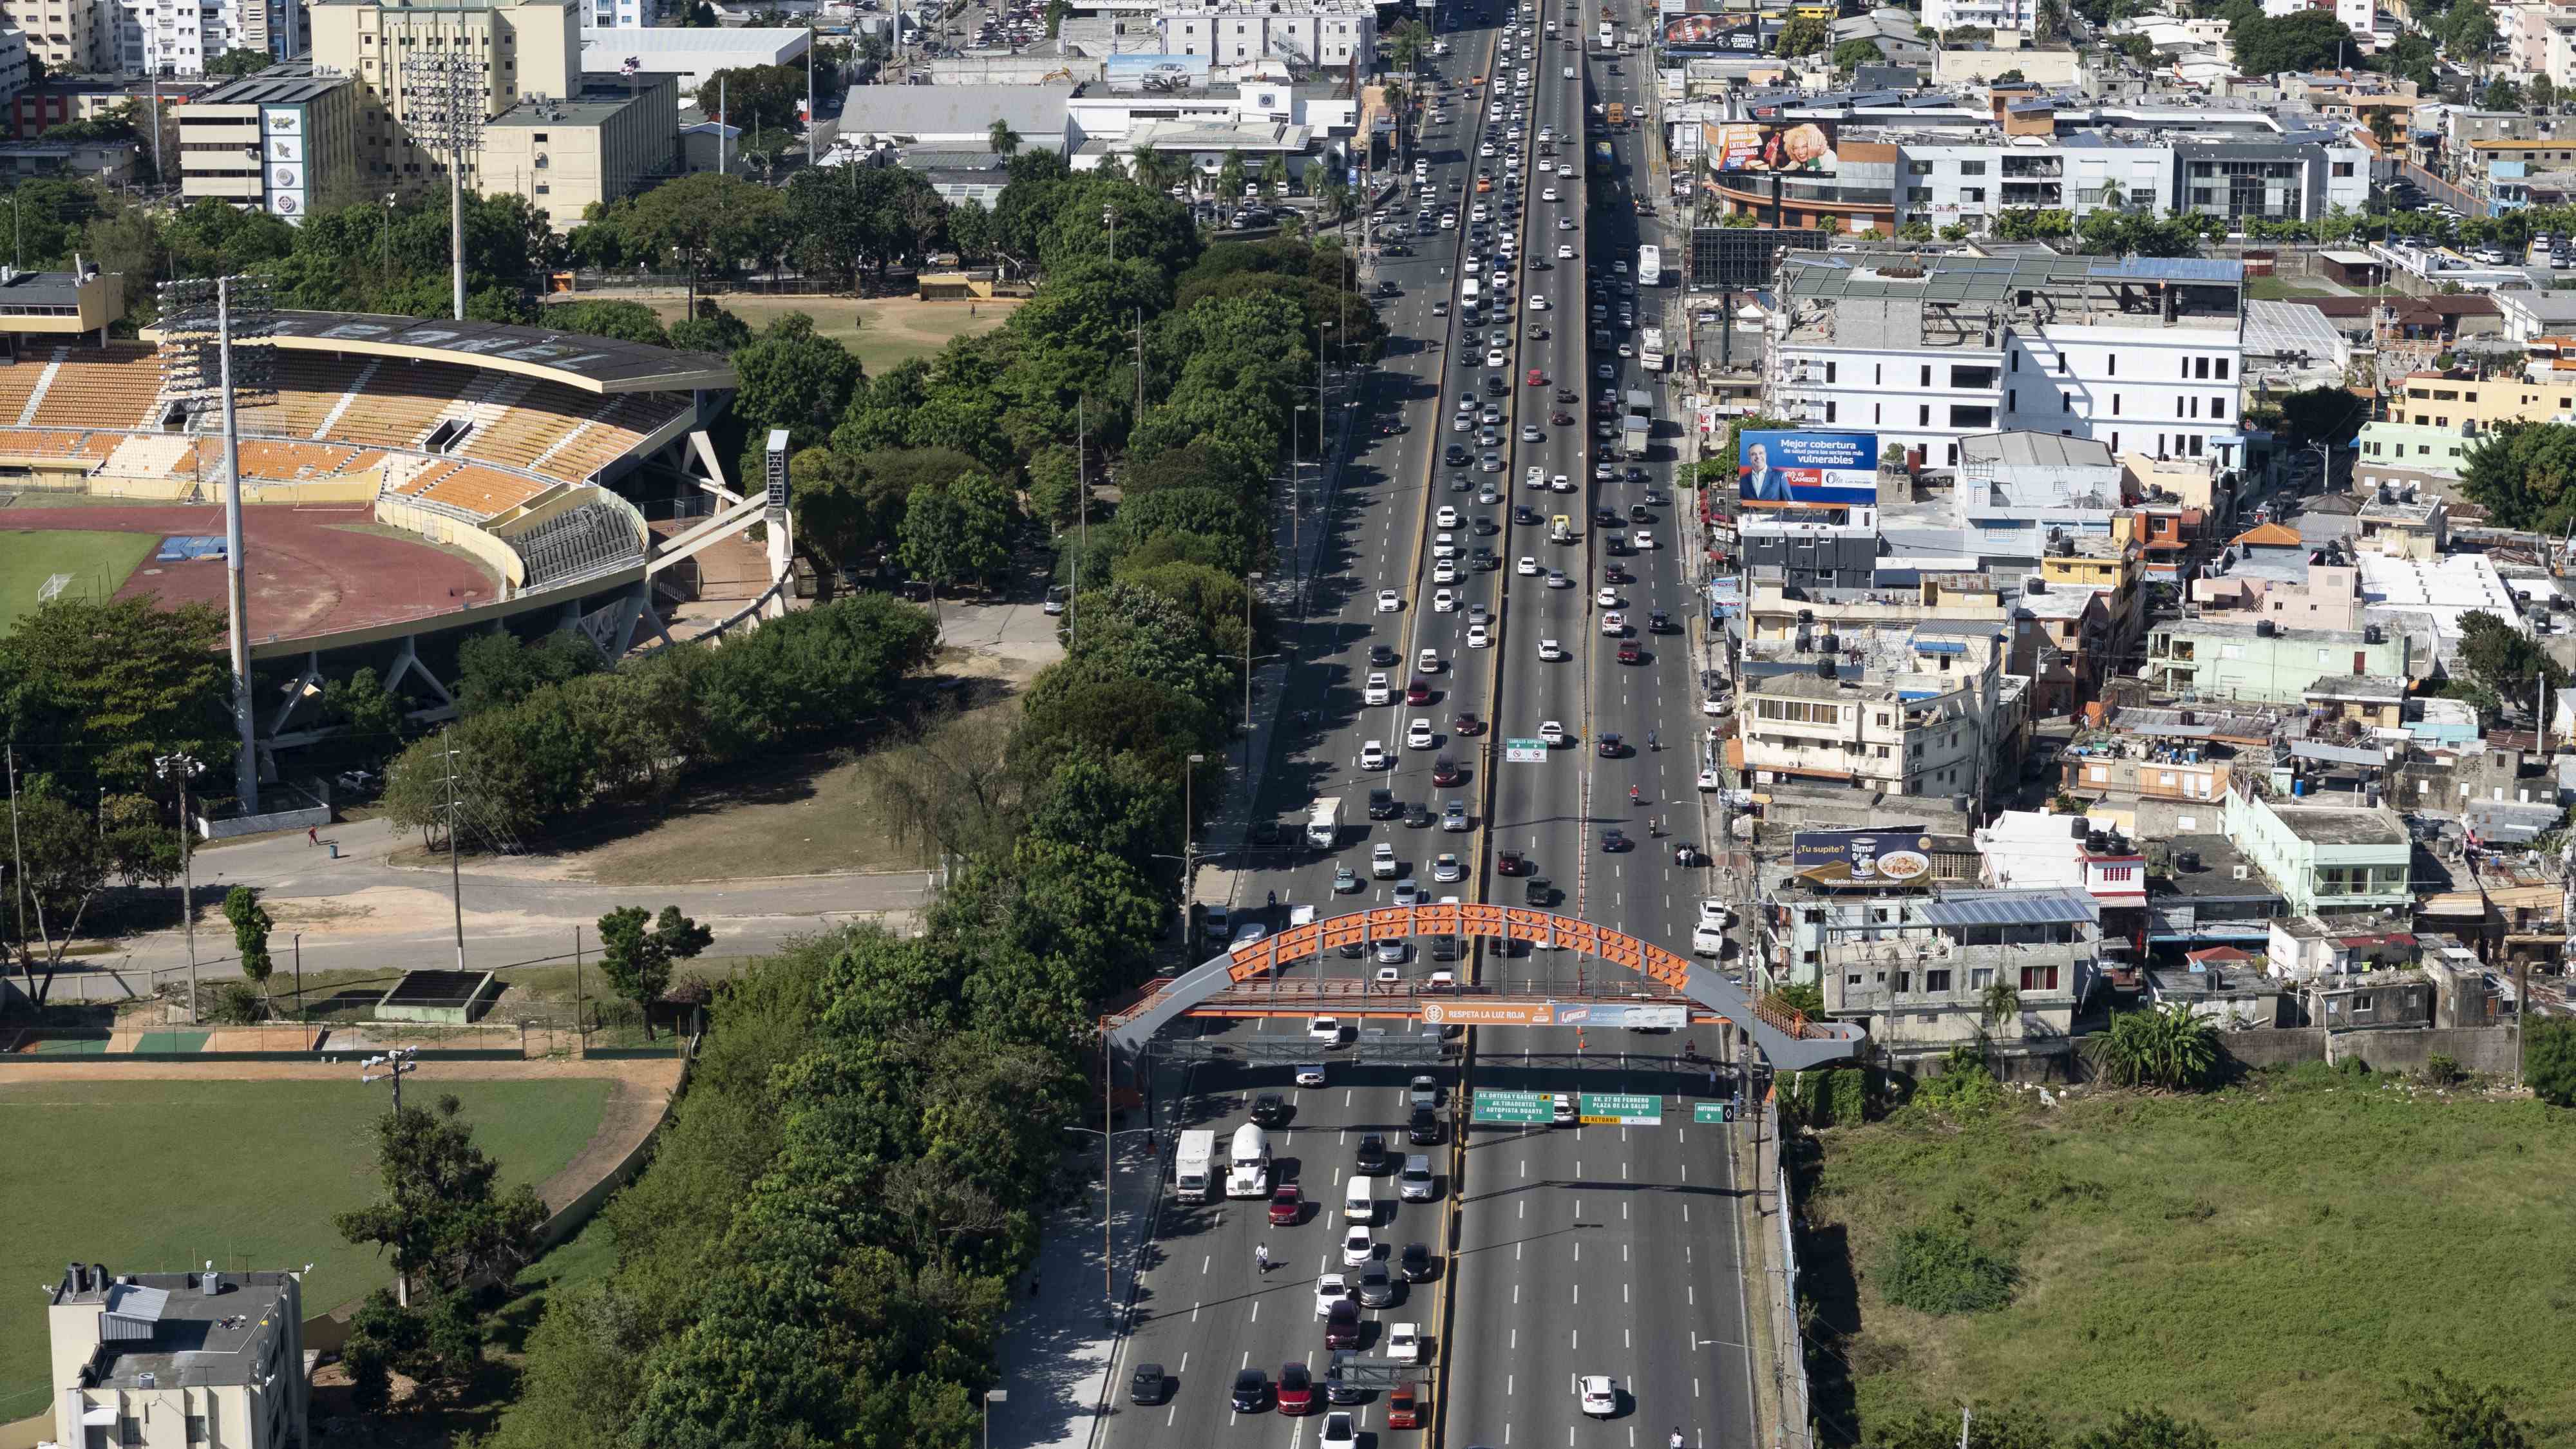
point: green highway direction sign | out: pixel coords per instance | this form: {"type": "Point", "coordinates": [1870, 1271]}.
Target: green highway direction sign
{"type": "Point", "coordinates": [1525, 1109]}
{"type": "Point", "coordinates": [1708, 1111]}
{"type": "Point", "coordinates": [1525, 752]}
{"type": "Point", "coordinates": [1621, 1109]}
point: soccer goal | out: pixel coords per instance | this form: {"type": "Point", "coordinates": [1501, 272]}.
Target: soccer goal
{"type": "Point", "coordinates": [52, 588]}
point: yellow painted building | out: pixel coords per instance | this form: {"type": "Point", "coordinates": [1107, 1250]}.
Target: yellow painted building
{"type": "Point", "coordinates": [2476, 404]}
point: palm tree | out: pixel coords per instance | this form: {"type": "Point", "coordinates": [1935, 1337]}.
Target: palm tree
{"type": "Point", "coordinates": [2167, 1048]}
{"type": "Point", "coordinates": [1149, 167]}
{"type": "Point", "coordinates": [1004, 140]}
{"type": "Point", "coordinates": [1274, 175]}
{"type": "Point", "coordinates": [2000, 1003]}
{"type": "Point", "coordinates": [1229, 175]}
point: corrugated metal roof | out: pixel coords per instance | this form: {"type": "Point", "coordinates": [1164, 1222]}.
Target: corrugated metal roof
{"type": "Point", "coordinates": [126, 1300]}
{"type": "Point", "coordinates": [2062, 906]}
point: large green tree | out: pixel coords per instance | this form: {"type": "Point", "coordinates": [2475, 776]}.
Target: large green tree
{"type": "Point", "coordinates": [95, 692]}
{"type": "Point", "coordinates": [442, 1214]}
{"type": "Point", "coordinates": [2302, 40]}
{"type": "Point", "coordinates": [2524, 475]}
{"type": "Point", "coordinates": [637, 951]}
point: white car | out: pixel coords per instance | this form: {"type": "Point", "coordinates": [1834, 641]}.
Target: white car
{"type": "Point", "coordinates": [1565, 223]}
{"type": "Point", "coordinates": [1427, 662]}
{"type": "Point", "coordinates": [1373, 755]}
{"type": "Point", "coordinates": [1417, 735]}
{"type": "Point", "coordinates": [1478, 637]}
{"type": "Point", "coordinates": [1550, 650]}
{"type": "Point", "coordinates": [1324, 1029]}
{"type": "Point", "coordinates": [1566, 168]}
{"type": "Point", "coordinates": [1447, 517]}
{"type": "Point", "coordinates": [1564, 250]}
{"type": "Point", "coordinates": [1527, 565]}
{"type": "Point", "coordinates": [1494, 357]}
{"type": "Point", "coordinates": [1569, 72]}
{"type": "Point", "coordinates": [1606, 599]}
{"type": "Point", "coordinates": [1713, 915]}
{"type": "Point", "coordinates": [1441, 980]}
{"type": "Point", "coordinates": [1713, 707]}
{"type": "Point", "coordinates": [1340, 1431]}
{"type": "Point", "coordinates": [1560, 484]}
{"type": "Point", "coordinates": [1444, 601]}
{"type": "Point", "coordinates": [1444, 572]}
{"type": "Point", "coordinates": [1556, 579]}
{"type": "Point", "coordinates": [1708, 780]}
{"type": "Point", "coordinates": [1330, 1289]}
{"type": "Point", "coordinates": [1614, 624]}
{"type": "Point", "coordinates": [1444, 545]}
{"type": "Point", "coordinates": [1388, 601]}
{"type": "Point", "coordinates": [1392, 975]}
{"type": "Point", "coordinates": [1549, 194]}
{"type": "Point", "coordinates": [1551, 732]}
{"type": "Point", "coordinates": [1537, 477]}
{"type": "Point", "coordinates": [1600, 1395]}
{"type": "Point", "coordinates": [1645, 538]}
{"type": "Point", "coordinates": [1449, 221]}
{"type": "Point", "coordinates": [1358, 1246]}
{"type": "Point", "coordinates": [1377, 691]}
{"type": "Point", "coordinates": [1311, 1075]}
{"type": "Point", "coordinates": [1404, 1342]}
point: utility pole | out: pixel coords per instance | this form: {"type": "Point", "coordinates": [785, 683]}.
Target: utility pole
{"type": "Point", "coordinates": [455, 882]}
{"type": "Point", "coordinates": [181, 768]}
{"type": "Point", "coordinates": [1139, 418]}
{"type": "Point", "coordinates": [1081, 514]}
{"type": "Point", "coordinates": [397, 1063]}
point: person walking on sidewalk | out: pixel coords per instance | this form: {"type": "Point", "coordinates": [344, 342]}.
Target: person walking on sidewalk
{"type": "Point", "coordinates": [312, 836]}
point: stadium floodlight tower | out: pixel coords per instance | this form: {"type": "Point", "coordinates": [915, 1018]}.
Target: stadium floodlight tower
{"type": "Point", "coordinates": [443, 105]}
{"type": "Point", "coordinates": [216, 348]}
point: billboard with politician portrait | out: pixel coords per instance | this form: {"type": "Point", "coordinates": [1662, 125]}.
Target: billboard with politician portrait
{"type": "Point", "coordinates": [1798, 469]}
{"type": "Point", "coordinates": [1798, 148]}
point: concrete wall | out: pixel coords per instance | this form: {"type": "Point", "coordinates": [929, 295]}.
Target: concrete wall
{"type": "Point", "coordinates": [2476, 1048]}
{"type": "Point", "coordinates": [2254, 1050]}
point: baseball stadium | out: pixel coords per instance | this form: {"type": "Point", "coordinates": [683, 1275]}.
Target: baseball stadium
{"type": "Point", "coordinates": [403, 481]}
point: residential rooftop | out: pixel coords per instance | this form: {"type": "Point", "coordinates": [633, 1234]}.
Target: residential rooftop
{"type": "Point", "coordinates": [2334, 825]}
{"type": "Point", "coordinates": [164, 1330]}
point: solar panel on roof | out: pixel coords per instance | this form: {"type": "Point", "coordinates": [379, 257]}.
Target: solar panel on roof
{"type": "Point", "coordinates": [2013, 908]}
{"type": "Point", "coordinates": [2170, 269]}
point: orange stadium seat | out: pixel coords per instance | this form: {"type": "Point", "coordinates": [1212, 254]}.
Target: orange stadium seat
{"type": "Point", "coordinates": [482, 492]}
{"type": "Point", "coordinates": [400, 402]}
{"type": "Point", "coordinates": [115, 386]}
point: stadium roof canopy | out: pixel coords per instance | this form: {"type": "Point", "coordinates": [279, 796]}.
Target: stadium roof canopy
{"type": "Point", "coordinates": [577, 360]}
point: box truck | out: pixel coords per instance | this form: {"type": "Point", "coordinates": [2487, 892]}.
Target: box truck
{"type": "Point", "coordinates": [1650, 353]}
{"type": "Point", "coordinates": [1324, 824]}
{"type": "Point", "coordinates": [1248, 1163]}
{"type": "Point", "coordinates": [1192, 1171]}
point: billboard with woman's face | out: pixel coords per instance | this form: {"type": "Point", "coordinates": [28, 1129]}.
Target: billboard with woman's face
{"type": "Point", "coordinates": [1803, 147]}
{"type": "Point", "coordinates": [1713, 34]}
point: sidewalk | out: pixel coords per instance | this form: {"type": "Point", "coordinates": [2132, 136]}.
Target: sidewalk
{"type": "Point", "coordinates": [1058, 1353]}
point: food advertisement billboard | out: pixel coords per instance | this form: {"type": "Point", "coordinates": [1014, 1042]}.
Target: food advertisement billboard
{"type": "Point", "coordinates": [1801, 469]}
{"type": "Point", "coordinates": [1898, 855]}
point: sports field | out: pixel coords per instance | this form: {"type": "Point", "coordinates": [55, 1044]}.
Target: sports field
{"type": "Point", "coordinates": [882, 331]}
{"type": "Point", "coordinates": [163, 1175]}
{"type": "Point", "coordinates": [91, 565]}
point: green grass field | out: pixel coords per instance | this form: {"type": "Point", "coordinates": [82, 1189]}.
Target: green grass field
{"type": "Point", "coordinates": [165, 1175]}
{"type": "Point", "coordinates": [97, 562]}
{"type": "Point", "coordinates": [882, 331]}
{"type": "Point", "coordinates": [2272, 1260]}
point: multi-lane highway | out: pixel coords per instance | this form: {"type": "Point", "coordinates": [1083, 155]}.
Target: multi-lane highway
{"type": "Point", "coordinates": [1581, 1250]}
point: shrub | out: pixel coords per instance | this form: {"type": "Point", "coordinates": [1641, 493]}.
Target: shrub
{"type": "Point", "coordinates": [235, 1004]}
{"type": "Point", "coordinates": [2549, 1060]}
{"type": "Point", "coordinates": [2167, 1047]}
{"type": "Point", "coordinates": [2443, 1071]}
{"type": "Point", "coordinates": [1939, 1270]}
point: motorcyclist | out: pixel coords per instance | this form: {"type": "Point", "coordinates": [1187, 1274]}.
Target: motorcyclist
{"type": "Point", "coordinates": [1632, 794]}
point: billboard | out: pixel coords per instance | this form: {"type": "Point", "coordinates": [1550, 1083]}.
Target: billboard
{"type": "Point", "coordinates": [1155, 72]}
{"type": "Point", "coordinates": [282, 159]}
{"type": "Point", "coordinates": [1815, 470]}
{"type": "Point", "coordinates": [1898, 855]}
{"type": "Point", "coordinates": [1712, 34]}
{"type": "Point", "coordinates": [1801, 148]}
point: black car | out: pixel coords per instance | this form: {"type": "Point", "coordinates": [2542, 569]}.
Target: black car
{"type": "Point", "coordinates": [1610, 747]}
{"type": "Point", "coordinates": [1417, 815]}
{"type": "Point", "coordinates": [1484, 561]}
{"type": "Point", "coordinates": [1606, 517]}
{"type": "Point", "coordinates": [1352, 950]}
{"type": "Point", "coordinates": [1538, 891]}
{"type": "Point", "coordinates": [1616, 547]}
{"type": "Point", "coordinates": [1486, 527]}
{"type": "Point", "coordinates": [1444, 948]}
{"type": "Point", "coordinates": [1384, 656]}
{"type": "Point", "coordinates": [1659, 622]}
{"type": "Point", "coordinates": [1497, 386]}
{"type": "Point", "coordinates": [1613, 574]}
{"type": "Point", "coordinates": [1637, 514]}
{"type": "Point", "coordinates": [1383, 806]}
{"type": "Point", "coordinates": [1372, 1154]}
{"type": "Point", "coordinates": [1454, 456]}
{"type": "Point", "coordinates": [1377, 1286]}
{"type": "Point", "coordinates": [1270, 1109]}
{"type": "Point", "coordinates": [1524, 515]}
{"type": "Point", "coordinates": [1251, 1391]}
{"type": "Point", "coordinates": [1149, 1383]}
{"type": "Point", "coordinates": [1422, 1127]}
{"type": "Point", "coordinates": [1338, 1390]}
{"type": "Point", "coordinates": [1414, 1263]}
{"type": "Point", "coordinates": [1613, 840]}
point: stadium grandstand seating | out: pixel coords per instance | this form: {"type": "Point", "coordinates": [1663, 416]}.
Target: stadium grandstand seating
{"type": "Point", "coordinates": [578, 541]}
{"type": "Point", "coordinates": [471, 491]}
{"type": "Point", "coordinates": [612, 433]}
{"type": "Point", "coordinates": [399, 401]}
{"type": "Point", "coordinates": [116, 386]}
{"type": "Point", "coordinates": [18, 383]}
{"type": "Point", "coordinates": [310, 388]}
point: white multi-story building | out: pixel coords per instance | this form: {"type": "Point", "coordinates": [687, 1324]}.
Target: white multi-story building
{"type": "Point", "coordinates": [2142, 354]}
{"type": "Point", "coordinates": [1982, 14]}
{"type": "Point", "coordinates": [175, 37]}
{"type": "Point", "coordinates": [1315, 33]}
{"type": "Point", "coordinates": [1946, 181]}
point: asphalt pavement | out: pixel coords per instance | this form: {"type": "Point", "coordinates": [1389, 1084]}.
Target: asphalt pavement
{"type": "Point", "coordinates": [1594, 1250]}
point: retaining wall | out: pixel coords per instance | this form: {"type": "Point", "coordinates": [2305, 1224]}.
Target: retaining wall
{"type": "Point", "coordinates": [2489, 1049]}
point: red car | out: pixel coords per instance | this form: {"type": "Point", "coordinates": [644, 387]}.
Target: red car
{"type": "Point", "coordinates": [1561, 418]}
{"type": "Point", "coordinates": [1296, 1389]}
{"type": "Point", "coordinates": [1631, 654]}
{"type": "Point", "coordinates": [1286, 1205]}
{"type": "Point", "coordinates": [1466, 724]}
{"type": "Point", "coordinates": [1537, 378]}
{"type": "Point", "coordinates": [1445, 772]}
{"type": "Point", "coordinates": [1403, 1407]}
{"type": "Point", "coordinates": [1418, 692]}
{"type": "Point", "coordinates": [1511, 862]}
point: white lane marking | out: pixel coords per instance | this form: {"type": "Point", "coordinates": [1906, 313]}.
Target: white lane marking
{"type": "Point", "coordinates": [1203, 1265]}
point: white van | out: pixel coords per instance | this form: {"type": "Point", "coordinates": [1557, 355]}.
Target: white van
{"type": "Point", "coordinates": [1248, 1163]}
{"type": "Point", "coordinates": [1357, 1205]}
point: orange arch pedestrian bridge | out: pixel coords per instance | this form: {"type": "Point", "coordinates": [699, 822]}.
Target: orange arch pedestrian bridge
{"type": "Point", "coordinates": [1247, 980]}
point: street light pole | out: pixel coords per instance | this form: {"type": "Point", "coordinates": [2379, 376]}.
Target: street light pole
{"type": "Point", "coordinates": [992, 1397]}
{"type": "Point", "coordinates": [184, 768]}
{"type": "Point", "coordinates": [1251, 583]}
{"type": "Point", "coordinates": [1297, 495]}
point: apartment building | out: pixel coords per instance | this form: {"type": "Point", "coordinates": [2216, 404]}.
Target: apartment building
{"type": "Point", "coordinates": [2325, 857]}
{"type": "Point", "coordinates": [1922, 711]}
{"type": "Point", "coordinates": [1952, 181]}
{"type": "Point", "coordinates": [1320, 34]}
{"type": "Point", "coordinates": [1824, 548]}
{"type": "Point", "coordinates": [2143, 354]}
{"type": "Point", "coordinates": [64, 36]}
{"type": "Point", "coordinates": [173, 1360]}
{"type": "Point", "coordinates": [2263, 662]}
{"type": "Point", "coordinates": [1924, 978]}
{"type": "Point", "coordinates": [174, 37]}
{"type": "Point", "coordinates": [1779, 611]}
{"type": "Point", "coordinates": [2015, 15]}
